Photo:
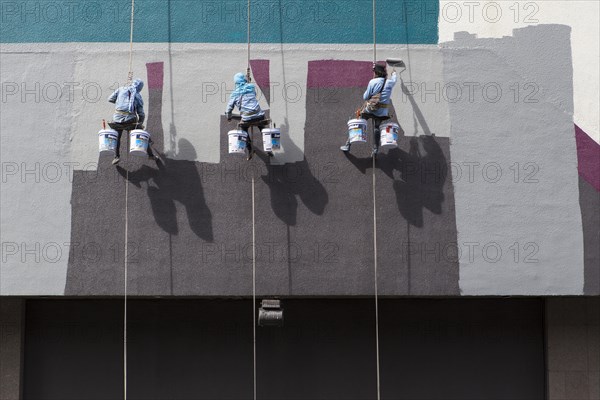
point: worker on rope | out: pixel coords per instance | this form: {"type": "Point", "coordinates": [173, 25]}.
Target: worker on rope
{"type": "Point", "coordinates": [377, 101]}
{"type": "Point", "coordinates": [129, 113]}
{"type": "Point", "coordinates": [244, 98]}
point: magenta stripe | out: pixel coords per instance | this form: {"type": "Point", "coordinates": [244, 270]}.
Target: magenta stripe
{"type": "Point", "coordinates": [588, 155]}
{"type": "Point", "coordinates": [155, 75]}
{"type": "Point", "coordinates": [260, 72]}
{"type": "Point", "coordinates": [339, 74]}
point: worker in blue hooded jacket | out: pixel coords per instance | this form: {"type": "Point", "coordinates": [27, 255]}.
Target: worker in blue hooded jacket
{"type": "Point", "coordinates": [382, 87]}
{"type": "Point", "coordinates": [129, 112]}
{"type": "Point", "coordinates": [244, 98]}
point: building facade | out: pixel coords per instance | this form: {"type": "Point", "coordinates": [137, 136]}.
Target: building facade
{"type": "Point", "coordinates": [479, 232]}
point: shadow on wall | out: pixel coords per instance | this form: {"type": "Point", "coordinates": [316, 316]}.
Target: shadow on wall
{"type": "Point", "coordinates": [290, 180]}
{"type": "Point", "coordinates": [176, 180]}
{"type": "Point", "coordinates": [423, 168]}
{"type": "Point", "coordinates": [423, 175]}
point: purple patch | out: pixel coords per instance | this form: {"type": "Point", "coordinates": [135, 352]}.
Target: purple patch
{"type": "Point", "coordinates": [339, 74]}
{"type": "Point", "coordinates": [588, 155]}
{"type": "Point", "coordinates": [260, 72]}
{"type": "Point", "coordinates": [155, 75]}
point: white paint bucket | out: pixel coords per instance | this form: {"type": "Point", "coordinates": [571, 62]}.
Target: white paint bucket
{"type": "Point", "coordinates": [139, 141]}
{"type": "Point", "coordinates": [389, 134]}
{"type": "Point", "coordinates": [271, 139]}
{"type": "Point", "coordinates": [357, 130]}
{"type": "Point", "coordinates": [107, 141]}
{"type": "Point", "coordinates": [237, 141]}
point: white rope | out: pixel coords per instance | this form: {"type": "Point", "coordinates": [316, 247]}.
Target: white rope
{"type": "Point", "coordinates": [125, 293]}
{"type": "Point", "coordinates": [375, 277]}
{"type": "Point", "coordinates": [374, 35]}
{"type": "Point", "coordinates": [130, 74]}
{"type": "Point", "coordinates": [129, 80]}
{"type": "Point", "coordinates": [375, 230]}
{"type": "Point", "coordinates": [254, 286]}
{"type": "Point", "coordinates": [253, 239]}
{"type": "Point", "coordinates": [248, 32]}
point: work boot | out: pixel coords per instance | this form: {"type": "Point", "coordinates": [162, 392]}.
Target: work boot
{"type": "Point", "coordinates": [116, 160]}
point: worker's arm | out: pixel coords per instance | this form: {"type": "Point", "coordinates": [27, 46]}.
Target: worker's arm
{"type": "Point", "coordinates": [369, 92]}
{"type": "Point", "coordinates": [392, 81]}
{"type": "Point", "coordinates": [139, 108]}
{"type": "Point", "coordinates": [231, 104]}
{"type": "Point", "coordinates": [113, 97]}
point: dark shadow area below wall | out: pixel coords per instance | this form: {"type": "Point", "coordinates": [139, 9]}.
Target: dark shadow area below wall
{"type": "Point", "coordinates": [468, 349]}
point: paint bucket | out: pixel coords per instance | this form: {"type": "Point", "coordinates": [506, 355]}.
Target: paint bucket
{"type": "Point", "coordinates": [107, 141]}
{"type": "Point", "coordinates": [237, 141]}
{"type": "Point", "coordinates": [389, 134]}
{"type": "Point", "coordinates": [357, 130]}
{"type": "Point", "coordinates": [271, 139]}
{"type": "Point", "coordinates": [139, 141]}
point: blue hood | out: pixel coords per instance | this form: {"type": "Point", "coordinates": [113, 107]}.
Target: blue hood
{"type": "Point", "coordinates": [241, 85]}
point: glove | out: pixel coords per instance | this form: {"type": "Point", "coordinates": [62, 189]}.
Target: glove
{"type": "Point", "coordinates": [228, 114]}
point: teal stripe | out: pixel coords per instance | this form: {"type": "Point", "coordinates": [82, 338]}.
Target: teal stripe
{"type": "Point", "coordinates": [219, 21]}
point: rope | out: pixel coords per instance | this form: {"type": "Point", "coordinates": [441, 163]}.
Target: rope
{"type": "Point", "coordinates": [248, 31]}
{"type": "Point", "coordinates": [374, 35]}
{"type": "Point", "coordinates": [254, 286]}
{"type": "Point", "coordinates": [130, 74]}
{"type": "Point", "coordinates": [376, 289]}
{"type": "Point", "coordinates": [375, 229]}
{"type": "Point", "coordinates": [253, 238]}
{"type": "Point", "coordinates": [125, 293]}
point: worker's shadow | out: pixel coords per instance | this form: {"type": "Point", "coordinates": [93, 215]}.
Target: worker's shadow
{"type": "Point", "coordinates": [291, 180]}
{"type": "Point", "coordinates": [176, 180]}
{"type": "Point", "coordinates": [418, 174]}
{"type": "Point", "coordinates": [420, 177]}
{"type": "Point", "coordinates": [423, 169]}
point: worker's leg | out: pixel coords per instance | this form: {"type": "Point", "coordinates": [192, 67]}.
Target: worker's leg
{"type": "Point", "coordinates": [249, 144]}
{"type": "Point", "coordinates": [118, 149]}
{"type": "Point", "coordinates": [149, 150]}
{"type": "Point", "coordinates": [346, 147]}
{"type": "Point", "coordinates": [376, 135]}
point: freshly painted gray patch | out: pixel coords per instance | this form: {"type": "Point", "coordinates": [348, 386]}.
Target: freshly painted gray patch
{"type": "Point", "coordinates": [416, 219]}
{"type": "Point", "coordinates": [517, 213]}
{"type": "Point", "coordinates": [35, 188]}
{"type": "Point", "coordinates": [190, 224]}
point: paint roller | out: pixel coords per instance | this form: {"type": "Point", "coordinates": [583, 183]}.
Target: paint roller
{"type": "Point", "coordinates": [396, 62]}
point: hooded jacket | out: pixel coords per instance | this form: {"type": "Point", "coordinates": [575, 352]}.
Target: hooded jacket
{"type": "Point", "coordinates": [129, 105]}
{"type": "Point", "coordinates": [375, 87]}
{"type": "Point", "coordinates": [244, 98]}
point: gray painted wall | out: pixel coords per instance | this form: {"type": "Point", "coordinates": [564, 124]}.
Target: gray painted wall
{"type": "Point", "coordinates": [190, 220]}
{"type": "Point", "coordinates": [521, 210]}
